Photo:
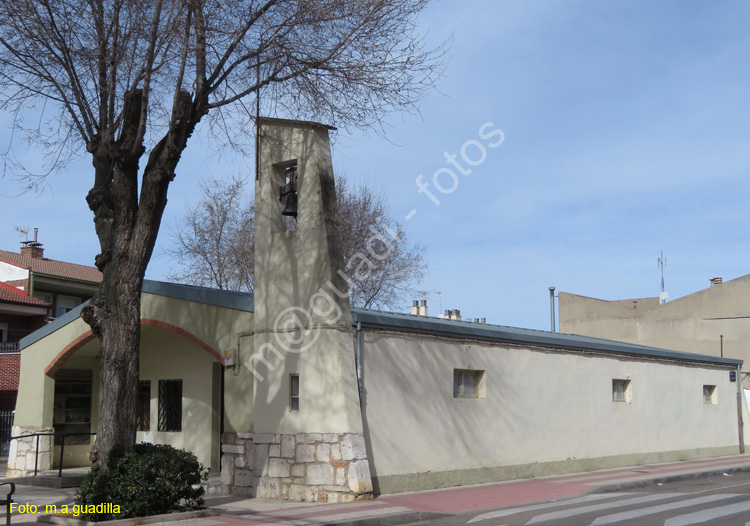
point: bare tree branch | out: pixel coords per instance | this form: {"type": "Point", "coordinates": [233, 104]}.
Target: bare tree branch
{"type": "Point", "coordinates": [130, 80]}
{"type": "Point", "coordinates": [214, 244]}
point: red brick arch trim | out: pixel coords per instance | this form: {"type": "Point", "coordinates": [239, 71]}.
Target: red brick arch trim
{"type": "Point", "coordinates": [68, 351]}
{"type": "Point", "coordinates": [86, 337]}
{"type": "Point", "coordinates": [182, 332]}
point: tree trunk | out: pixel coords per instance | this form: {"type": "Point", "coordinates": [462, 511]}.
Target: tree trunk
{"type": "Point", "coordinates": [127, 225]}
{"type": "Point", "coordinates": [119, 368]}
{"type": "Point", "coordinates": [114, 312]}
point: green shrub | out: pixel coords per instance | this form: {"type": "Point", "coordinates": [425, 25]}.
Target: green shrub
{"type": "Point", "coordinates": [150, 480]}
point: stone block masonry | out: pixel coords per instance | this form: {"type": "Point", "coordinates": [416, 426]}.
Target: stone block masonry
{"type": "Point", "coordinates": [313, 467]}
{"type": "Point", "coordinates": [23, 452]}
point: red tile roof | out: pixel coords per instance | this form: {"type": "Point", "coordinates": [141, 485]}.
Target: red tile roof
{"type": "Point", "coordinates": [52, 267]}
{"type": "Point", "coordinates": [16, 296]}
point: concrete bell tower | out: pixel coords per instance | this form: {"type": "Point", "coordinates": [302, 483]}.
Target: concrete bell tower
{"type": "Point", "coordinates": [306, 397]}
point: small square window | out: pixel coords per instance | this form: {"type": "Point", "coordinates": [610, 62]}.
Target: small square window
{"type": "Point", "coordinates": [294, 392]}
{"type": "Point", "coordinates": [709, 394]}
{"type": "Point", "coordinates": [468, 384]}
{"type": "Point", "coordinates": [621, 391]}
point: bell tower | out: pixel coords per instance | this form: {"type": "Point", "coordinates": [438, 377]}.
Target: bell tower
{"type": "Point", "coordinates": [306, 416]}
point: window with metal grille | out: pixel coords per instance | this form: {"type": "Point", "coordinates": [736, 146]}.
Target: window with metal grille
{"type": "Point", "coordinates": [170, 405]}
{"type": "Point", "coordinates": [144, 405]}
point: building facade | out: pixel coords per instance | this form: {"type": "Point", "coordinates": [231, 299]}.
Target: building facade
{"type": "Point", "coordinates": [714, 321]}
{"type": "Point", "coordinates": [61, 284]}
{"type": "Point", "coordinates": [293, 394]}
{"type": "Point", "coordinates": [33, 290]}
{"type": "Point", "coordinates": [20, 315]}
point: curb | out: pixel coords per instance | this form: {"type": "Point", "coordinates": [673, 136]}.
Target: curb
{"type": "Point", "coordinates": [617, 486]}
{"type": "Point", "coordinates": [393, 519]}
{"type": "Point", "coordinates": [185, 515]}
{"type": "Point", "coordinates": [417, 516]}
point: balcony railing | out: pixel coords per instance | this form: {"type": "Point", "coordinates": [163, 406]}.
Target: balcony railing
{"type": "Point", "coordinates": [8, 347]}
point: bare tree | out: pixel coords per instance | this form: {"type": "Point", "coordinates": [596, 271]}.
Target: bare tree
{"type": "Point", "coordinates": [384, 268]}
{"type": "Point", "coordinates": [130, 80]}
{"type": "Point", "coordinates": [214, 245]}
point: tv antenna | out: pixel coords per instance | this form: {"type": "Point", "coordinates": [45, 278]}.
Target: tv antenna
{"type": "Point", "coordinates": [664, 296]}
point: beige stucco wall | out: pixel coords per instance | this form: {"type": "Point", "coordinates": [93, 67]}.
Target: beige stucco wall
{"type": "Point", "coordinates": [219, 328]}
{"type": "Point", "coordinates": [693, 323]}
{"type": "Point", "coordinates": [34, 405]}
{"type": "Point", "coordinates": [544, 412]}
{"type": "Point", "coordinates": [296, 281]}
{"type": "Point", "coordinates": [165, 354]}
{"type": "Point", "coordinates": [78, 455]}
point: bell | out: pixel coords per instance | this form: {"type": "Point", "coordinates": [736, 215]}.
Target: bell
{"type": "Point", "coordinates": [290, 209]}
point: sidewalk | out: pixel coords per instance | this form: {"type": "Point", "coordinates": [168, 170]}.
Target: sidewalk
{"type": "Point", "coordinates": [406, 508]}
{"type": "Point", "coordinates": [412, 507]}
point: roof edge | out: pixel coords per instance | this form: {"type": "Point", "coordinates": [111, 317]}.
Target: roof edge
{"type": "Point", "coordinates": [293, 122]}
{"type": "Point", "coordinates": [243, 301]}
{"type": "Point", "coordinates": [500, 334]}
{"type": "Point", "coordinates": [69, 317]}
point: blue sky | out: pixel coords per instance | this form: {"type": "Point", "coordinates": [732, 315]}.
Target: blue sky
{"type": "Point", "coordinates": [627, 126]}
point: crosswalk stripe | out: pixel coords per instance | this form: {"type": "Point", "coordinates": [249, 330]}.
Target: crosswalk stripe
{"type": "Point", "coordinates": [563, 514]}
{"type": "Point", "coordinates": [634, 514]}
{"type": "Point", "coordinates": [512, 511]}
{"type": "Point", "coordinates": [707, 515]}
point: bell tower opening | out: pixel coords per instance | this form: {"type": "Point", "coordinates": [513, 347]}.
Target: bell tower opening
{"type": "Point", "coordinates": [288, 195]}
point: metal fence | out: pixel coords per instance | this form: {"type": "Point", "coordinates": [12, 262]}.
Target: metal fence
{"type": "Point", "coordinates": [9, 347]}
{"type": "Point", "coordinates": [6, 426]}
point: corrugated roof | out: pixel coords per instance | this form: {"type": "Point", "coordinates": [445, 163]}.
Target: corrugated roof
{"type": "Point", "coordinates": [419, 325]}
{"type": "Point", "coordinates": [16, 296]}
{"type": "Point", "coordinates": [52, 267]}
{"type": "Point", "coordinates": [498, 333]}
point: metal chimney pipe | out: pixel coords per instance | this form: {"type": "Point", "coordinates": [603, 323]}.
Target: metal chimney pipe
{"type": "Point", "coordinates": [552, 307]}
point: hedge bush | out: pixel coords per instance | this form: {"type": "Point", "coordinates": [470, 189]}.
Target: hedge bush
{"type": "Point", "coordinates": [150, 480]}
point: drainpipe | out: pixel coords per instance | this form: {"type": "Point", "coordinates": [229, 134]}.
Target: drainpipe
{"type": "Point", "coordinates": [31, 282]}
{"type": "Point", "coordinates": [740, 423]}
{"type": "Point", "coordinates": [359, 360]}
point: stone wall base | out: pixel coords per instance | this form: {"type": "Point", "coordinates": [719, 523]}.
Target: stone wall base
{"type": "Point", "coordinates": [314, 467]}
{"type": "Point", "coordinates": [22, 455]}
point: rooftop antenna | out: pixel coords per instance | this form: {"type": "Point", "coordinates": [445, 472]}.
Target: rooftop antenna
{"type": "Point", "coordinates": [664, 296]}
{"type": "Point", "coordinates": [440, 295]}
{"type": "Point", "coordinates": [24, 231]}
